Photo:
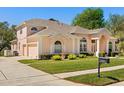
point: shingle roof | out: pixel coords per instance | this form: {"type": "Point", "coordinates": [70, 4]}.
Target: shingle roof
{"type": "Point", "coordinates": [80, 30]}
{"type": "Point", "coordinates": [55, 27]}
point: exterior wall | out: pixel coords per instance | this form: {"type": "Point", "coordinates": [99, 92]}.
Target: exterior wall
{"type": "Point", "coordinates": [23, 34]}
{"type": "Point", "coordinates": [22, 40]}
{"type": "Point", "coordinates": [48, 44]}
{"type": "Point", "coordinates": [88, 38]}
{"type": "Point", "coordinates": [68, 43]}
{"type": "Point", "coordinates": [45, 45]}
{"type": "Point", "coordinates": [104, 39]}
{"type": "Point", "coordinates": [89, 43]}
{"type": "Point", "coordinates": [14, 47]}
{"type": "Point", "coordinates": [33, 39]}
{"type": "Point", "coordinates": [103, 43]}
{"type": "Point", "coordinates": [20, 44]}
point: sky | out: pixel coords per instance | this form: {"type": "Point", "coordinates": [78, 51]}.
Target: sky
{"type": "Point", "coordinates": [16, 15]}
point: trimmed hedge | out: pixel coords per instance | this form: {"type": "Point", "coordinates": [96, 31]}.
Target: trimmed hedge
{"type": "Point", "coordinates": [88, 54]}
{"type": "Point", "coordinates": [82, 56]}
{"type": "Point", "coordinates": [65, 56]}
{"type": "Point", "coordinates": [72, 56]}
{"type": "Point", "coordinates": [56, 57]}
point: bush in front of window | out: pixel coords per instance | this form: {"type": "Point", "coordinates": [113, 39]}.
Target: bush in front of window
{"type": "Point", "coordinates": [56, 57]}
{"type": "Point", "coordinates": [72, 56]}
{"type": "Point", "coordinates": [82, 56]}
{"type": "Point", "coordinates": [88, 53]}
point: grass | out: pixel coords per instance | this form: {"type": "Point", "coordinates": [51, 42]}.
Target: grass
{"type": "Point", "coordinates": [53, 67]}
{"type": "Point", "coordinates": [108, 77]}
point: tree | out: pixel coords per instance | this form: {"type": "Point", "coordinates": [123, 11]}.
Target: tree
{"type": "Point", "coordinates": [121, 48]}
{"type": "Point", "coordinates": [115, 24]}
{"type": "Point", "coordinates": [6, 35]}
{"type": "Point", "coordinates": [91, 18]}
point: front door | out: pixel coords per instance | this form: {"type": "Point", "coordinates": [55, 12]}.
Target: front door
{"type": "Point", "coordinates": [110, 49]}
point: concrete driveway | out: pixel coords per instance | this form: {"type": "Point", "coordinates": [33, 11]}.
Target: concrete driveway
{"type": "Point", "coordinates": [15, 73]}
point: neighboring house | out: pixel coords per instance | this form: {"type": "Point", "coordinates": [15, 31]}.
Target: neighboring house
{"type": "Point", "coordinates": [38, 36]}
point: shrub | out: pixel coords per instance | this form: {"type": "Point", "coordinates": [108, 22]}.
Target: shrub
{"type": "Point", "coordinates": [56, 57]}
{"type": "Point", "coordinates": [46, 57]}
{"type": "Point", "coordinates": [121, 54]}
{"type": "Point", "coordinates": [88, 54]}
{"type": "Point", "coordinates": [72, 56]}
{"type": "Point", "coordinates": [121, 46]}
{"type": "Point", "coordinates": [82, 56]}
{"type": "Point", "coordinates": [113, 54]}
{"type": "Point", "coordinates": [2, 53]}
{"type": "Point", "coordinates": [102, 54]}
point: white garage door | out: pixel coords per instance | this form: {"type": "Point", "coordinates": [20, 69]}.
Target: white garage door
{"type": "Point", "coordinates": [32, 51]}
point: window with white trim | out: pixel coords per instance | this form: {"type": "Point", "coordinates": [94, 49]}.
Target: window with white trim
{"type": "Point", "coordinates": [57, 47]}
{"type": "Point", "coordinates": [83, 45]}
{"type": "Point", "coordinates": [94, 46]}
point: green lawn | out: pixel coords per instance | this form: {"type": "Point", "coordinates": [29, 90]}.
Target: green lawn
{"type": "Point", "coordinates": [108, 77]}
{"type": "Point", "coordinates": [53, 67]}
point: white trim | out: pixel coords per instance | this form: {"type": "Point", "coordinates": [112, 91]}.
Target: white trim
{"type": "Point", "coordinates": [94, 38]}
{"type": "Point", "coordinates": [39, 47]}
{"type": "Point", "coordinates": [107, 47]}
{"type": "Point", "coordinates": [113, 46]}
{"type": "Point", "coordinates": [78, 46]}
{"type": "Point", "coordinates": [98, 47]}
{"type": "Point", "coordinates": [73, 45]}
{"type": "Point", "coordinates": [31, 43]}
{"type": "Point", "coordinates": [52, 47]}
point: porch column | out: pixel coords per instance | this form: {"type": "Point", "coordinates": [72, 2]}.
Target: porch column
{"type": "Point", "coordinates": [78, 46]}
{"type": "Point", "coordinates": [113, 46]}
{"type": "Point", "coordinates": [107, 47]}
{"type": "Point", "coordinates": [39, 47]}
{"type": "Point", "coordinates": [98, 48]}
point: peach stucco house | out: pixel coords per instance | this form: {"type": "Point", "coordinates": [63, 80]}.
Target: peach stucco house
{"type": "Point", "coordinates": [38, 36]}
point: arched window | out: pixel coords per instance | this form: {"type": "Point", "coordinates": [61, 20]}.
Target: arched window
{"type": "Point", "coordinates": [57, 47]}
{"type": "Point", "coordinates": [83, 45]}
{"type": "Point", "coordinates": [34, 29]}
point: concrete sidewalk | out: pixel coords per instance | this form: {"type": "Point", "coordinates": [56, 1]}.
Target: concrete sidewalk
{"type": "Point", "coordinates": [70, 74]}
{"type": "Point", "coordinates": [15, 73]}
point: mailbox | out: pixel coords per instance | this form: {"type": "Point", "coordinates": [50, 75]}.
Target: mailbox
{"type": "Point", "coordinates": [104, 60]}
